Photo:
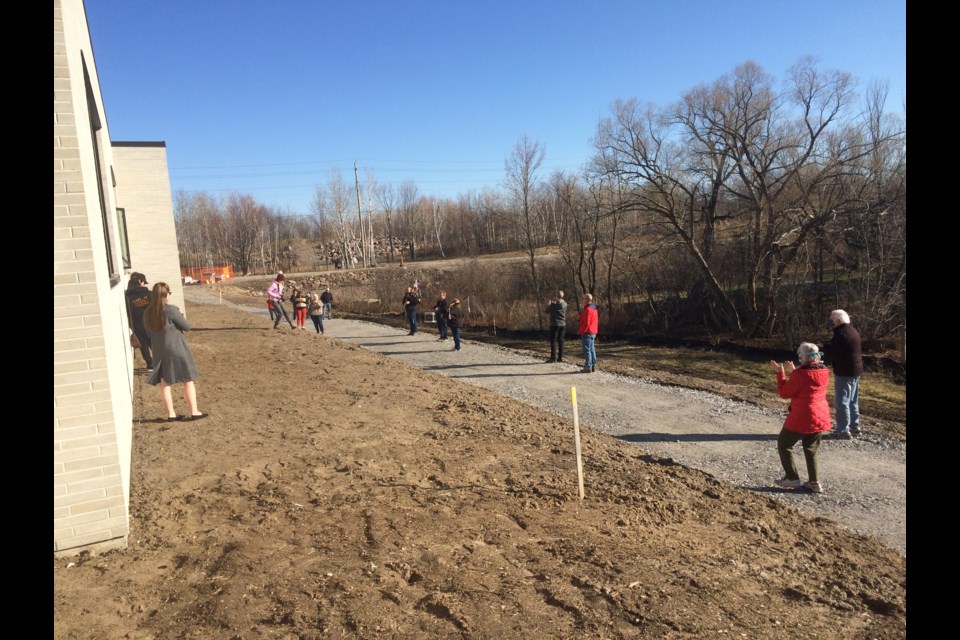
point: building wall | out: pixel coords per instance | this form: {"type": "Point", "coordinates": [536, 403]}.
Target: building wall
{"type": "Point", "coordinates": [143, 190]}
{"type": "Point", "coordinates": [93, 363]}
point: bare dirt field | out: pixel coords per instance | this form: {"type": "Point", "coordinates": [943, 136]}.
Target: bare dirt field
{"type": "Point", "coordinates": [335, 491]}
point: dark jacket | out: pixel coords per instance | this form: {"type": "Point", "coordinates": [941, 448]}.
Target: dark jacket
{"type": "Point", "coordinates": [844, 350]}
{"type": "Point", "coordinates": [456, 317]}
{"type": "Point", "coordinates": [410, 301]}
{"type": "Point", "coordinates": [442, 308]}
{"type": "Point", "coordinates": [558, 313]}
{"type": "Point", "coordinates": [138, 299]}
{"type": "Point", "coordinates": [326, 297]}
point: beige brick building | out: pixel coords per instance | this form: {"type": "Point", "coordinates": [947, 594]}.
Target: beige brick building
{"type": "Point", "coordinates": [143, 190]}
{"type": "Point", "coordinates": [98, 228]}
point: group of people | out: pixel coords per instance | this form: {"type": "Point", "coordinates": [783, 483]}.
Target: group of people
{"type": "Point", "coordinates": [808, 415]}
{"type": "Point", "coordinates": [449, 315]}
{"type": "Point", "coordinates": [587, 328]}
{"type": "Point", "coordinates": [317, 306]}
{"type": "Point", "coordinates": [157, 331]}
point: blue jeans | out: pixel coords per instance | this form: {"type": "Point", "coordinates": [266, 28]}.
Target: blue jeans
{"type": "Point", "coordinates": [326, 310]}
{"type": "Point", "coordinates": [278, 309]}
{"type": "Point", "coordinates": [456, 337]}
{"type": "Point", "coordinates": [412, 320]}
{"type": "Point", "coordinates": [318, 323]}
{"type": "Point", "coordinates": [846, 400]}
{"type": "Point", "coordinates": [588, 342]}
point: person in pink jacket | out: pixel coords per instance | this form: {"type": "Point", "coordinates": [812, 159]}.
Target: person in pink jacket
{"type": "Point", "coordinates": [275, 295]}
{"type": "Point", "coordinates": [808, 415]}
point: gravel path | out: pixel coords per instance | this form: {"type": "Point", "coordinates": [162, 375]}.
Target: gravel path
{"type": "Point", "coordinates": [864, 479]}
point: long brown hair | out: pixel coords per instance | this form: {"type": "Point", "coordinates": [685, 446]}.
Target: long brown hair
{"type": "Point", "coordinates": [153, 315]}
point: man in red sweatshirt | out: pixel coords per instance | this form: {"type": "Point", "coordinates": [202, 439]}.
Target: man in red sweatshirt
{"type": "Point", "coordinates": [589, 322]}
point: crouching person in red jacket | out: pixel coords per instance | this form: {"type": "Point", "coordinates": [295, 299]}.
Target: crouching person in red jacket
{"type": "Point", "coordinates": [808, 415]}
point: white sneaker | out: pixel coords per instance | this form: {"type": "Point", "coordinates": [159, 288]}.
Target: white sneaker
{"type": "Point", "coordinates": [788, 484]}
{"type": "Point", "coordinates": [813, 487]}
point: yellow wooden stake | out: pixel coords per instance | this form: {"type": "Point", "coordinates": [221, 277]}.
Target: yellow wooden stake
{"type": "Point", "coordinates": [576, 439]}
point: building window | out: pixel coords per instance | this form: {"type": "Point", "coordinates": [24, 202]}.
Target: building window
{"type": "Point", "coordinates": [124, 241]}
{"type": "Point", "coordinates": [95, 126]}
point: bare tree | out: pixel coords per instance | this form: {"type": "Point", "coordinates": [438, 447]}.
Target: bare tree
{"type": "Point", "coordinates": [341, 206]}
{"type": "Point", "coordinates": [386, 197]}
{"type": "Point", "coordinates": [769, 169]}
{"type": "Point", "coordinates": [242, 220]}
{"type": "Point", "coordinates": [521, 168]}
{"type": "Point", "coordinates": [408, 197]}
{"type": "Point", "coordinates": [197, 217]}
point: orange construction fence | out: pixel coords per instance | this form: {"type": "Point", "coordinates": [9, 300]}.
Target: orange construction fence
{"type": "Point", "coordinates": [208, 275]}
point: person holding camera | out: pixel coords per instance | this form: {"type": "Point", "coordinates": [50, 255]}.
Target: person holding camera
{"type": "Point", "coordinates": [557, 309]}
{"type": "Point", "coordinates": [456, 322]}
{"type": "Point", "coordinates": [442, 309]}
{"type": "Point", "coordinates": [138, 299]}
{"type": "Point", "coordinates": [174, 363]}
{"type": "Point", "coordinates": [808, 415]}
{"type": "Point", "coordinates": [410, 301]}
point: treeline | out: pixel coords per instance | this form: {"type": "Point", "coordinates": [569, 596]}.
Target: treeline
{"type": "Point", "coordinates": [749, 208]}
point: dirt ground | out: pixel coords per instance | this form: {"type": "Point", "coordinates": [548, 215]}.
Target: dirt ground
{"type": "Point", "coordinates": [335, 492]}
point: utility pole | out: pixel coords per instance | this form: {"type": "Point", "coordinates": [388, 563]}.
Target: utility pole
{"type": "Point", "coordinates": [363, 243]}
{"type": "Point", "coordinates": [373, 250]}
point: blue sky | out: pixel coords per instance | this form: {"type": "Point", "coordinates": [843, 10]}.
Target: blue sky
{"type": "Point", "coordinates": [267, 97]}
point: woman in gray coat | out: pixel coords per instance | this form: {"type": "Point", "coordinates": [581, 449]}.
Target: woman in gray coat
{"type": "Point", "coordinates": [172, 361]}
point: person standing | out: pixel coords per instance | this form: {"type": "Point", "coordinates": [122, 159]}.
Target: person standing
{"type": "Point", "coordinates": [410, 302]}
{"type": "Point", "coordinates": [275, 295]}
{"type": "Point", "coordinates": [442, 309]}
{"type": "Point", "coordinates": [589, 324]}
{"type": "Point", "coordinates": [557, 309]}
{"type": "Point", "coordinates": [316, 313]}
{"type": "Point", "coordinates": [174, 362]}
{"type": "Point", "coordinates": [299, 301]}
{"type": "Point", "coordinates": [847, 360]}
{"type": "Point", "coordinates": [138, 299]}
{"type": "Point", "coordinates": [808, 415]}
{"type": "Point", "coordinates": [456, 322]}
{"type": "Point", "coordinates": [327, 299]}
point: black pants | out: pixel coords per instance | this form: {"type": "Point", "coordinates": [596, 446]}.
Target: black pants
{"type": "Point", "coordinates": [556, 342]}
{"type": "Point", "coordinates": [144, 337]}
{"type": "Point", "coordinates": [442, 326]}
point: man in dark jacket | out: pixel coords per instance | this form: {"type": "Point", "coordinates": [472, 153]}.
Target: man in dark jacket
{"type": "Point", "coordinates": [410, 302]}
{"type": "Point", "coordinates": [844, 350]}
{"type": "Point", "coordinates": [327, 299]}
{"type": "Point", "coordinates": [442, 309]}
{"type": "Point", "coordinates": [138, 299]}
{"type": "Point", "coordinates": [557, 309]}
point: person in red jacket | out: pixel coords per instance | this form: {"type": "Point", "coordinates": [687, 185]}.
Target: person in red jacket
{"type": "Point", "coordinates": [589, 323]}
{"type": "Point", "coordinates": [808, 415]}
